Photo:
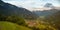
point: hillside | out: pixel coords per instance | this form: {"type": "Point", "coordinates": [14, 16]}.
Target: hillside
{"type": "Point", "coordinates": [11, 26]}
{"type": "Point", "coordinates": [8, 10]}
{"type": "Point", "coordinates": [54, 19]}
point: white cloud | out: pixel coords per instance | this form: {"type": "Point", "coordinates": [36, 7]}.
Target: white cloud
{"type": "Point", "coordinates": [29, 4]}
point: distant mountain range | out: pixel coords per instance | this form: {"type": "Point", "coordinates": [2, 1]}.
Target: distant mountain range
{"type": "Point", "coordinates": [8, 9]}
{"type": "Point", "coordinates": [46, 12]}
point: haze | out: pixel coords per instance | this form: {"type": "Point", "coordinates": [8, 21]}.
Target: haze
{"type": "Point", "coordinates": [32, 4]}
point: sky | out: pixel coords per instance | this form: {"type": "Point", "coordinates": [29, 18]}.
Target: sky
{"type": "Point", "coordinates": [28, 4]}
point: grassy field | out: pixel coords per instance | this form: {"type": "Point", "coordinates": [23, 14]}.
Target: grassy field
{"type": "Point", "coordinates": [11, 26]}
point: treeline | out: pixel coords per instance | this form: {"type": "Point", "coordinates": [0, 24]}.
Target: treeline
{"type": "Point", "coordinates": [13, 18]}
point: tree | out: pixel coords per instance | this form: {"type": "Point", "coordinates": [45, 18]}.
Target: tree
{"type": "Point", "coordinates": [15, 19]}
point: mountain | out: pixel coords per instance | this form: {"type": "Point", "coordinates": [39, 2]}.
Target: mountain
{"type": "Point", "coordinates": [46, 12]}
{"type": "Point", "coordinates": [49, 5]}
{"type": "Point", "coordinates": [8, 10]}
{"type": "Point", "coordinates": [54, 19]}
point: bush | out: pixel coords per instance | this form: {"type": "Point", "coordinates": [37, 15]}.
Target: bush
{"type": "Point", "coordinates": [15, 19]}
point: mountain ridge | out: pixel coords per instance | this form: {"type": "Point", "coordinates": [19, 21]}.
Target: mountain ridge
{"type": "Point", "coordinates": [8, 10]}
{"type": "Point", "coordinates": [46, 12]}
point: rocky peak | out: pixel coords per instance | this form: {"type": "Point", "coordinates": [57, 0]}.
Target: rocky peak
{"type": "Point", "coordinates": [1, 3]}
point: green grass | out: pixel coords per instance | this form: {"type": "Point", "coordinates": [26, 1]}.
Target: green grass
{"type": "Point", "coordinates": [11, 26]}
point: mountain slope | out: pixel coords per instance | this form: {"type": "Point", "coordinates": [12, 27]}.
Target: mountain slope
{"type": "Point", "coordinates": [11, 26]}
{"type": "Point", "coordinates": [8, 9]}
{"type": "Point", "coordinates": [46, 12]}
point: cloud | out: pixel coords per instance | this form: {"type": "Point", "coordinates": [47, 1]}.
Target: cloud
{"type": "Point", "coordinates": [32, 3]}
